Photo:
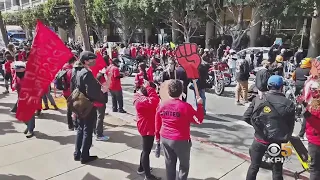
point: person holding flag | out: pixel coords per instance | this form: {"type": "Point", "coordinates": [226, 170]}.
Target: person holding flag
{"type": "Point", "coordinates": [20, 68]}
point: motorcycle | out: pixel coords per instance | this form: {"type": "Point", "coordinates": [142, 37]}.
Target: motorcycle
{"type": "Point", "coordinates": [216, 78]}
{"type": "Point", "coordinates": [127, 64]}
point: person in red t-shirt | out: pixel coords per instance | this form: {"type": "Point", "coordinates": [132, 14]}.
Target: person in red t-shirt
{"type": "Point", "coordinates": [8, 72]}
{"type": "Point", "coordinates": [173, 119]}
{"type": "Point", "coordinates": [67, 91]}
{"type": "Point", "coordinates": [114, 53]}
{"type": "Point", "coordinates": [146, 102]}
{"type": "Point", "coordinates": [104, 80]}
{"type": "Point", "coordinates": [141, 76]}
{"type": "Point", "coordinates": [133, 51]}
{"type": "Point", "coordinates": [115, 86]}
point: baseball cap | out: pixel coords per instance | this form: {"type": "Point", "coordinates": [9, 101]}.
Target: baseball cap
{"type": "Point", "coordinates": [87, 55]}
{"type": "Point", "coordinates": [275, 81]}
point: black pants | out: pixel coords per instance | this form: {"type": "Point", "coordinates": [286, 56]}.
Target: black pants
{"type": "Point", "coordinates": [257, 151]}
{"type": "Point", "coordinates": [314, 152]}
{"type": "Point", "coordinates": [69, 117]}
{"type": "Point", "coordinates": [147, 143]}
{"type": "Point", "coordinates": [84, 135]}
{"type": "Point", "coordinates": [303, 128]}
{"type": "Point", "coordinates": [117, 100]}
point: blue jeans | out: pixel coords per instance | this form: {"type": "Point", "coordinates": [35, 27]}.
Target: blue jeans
{"type": "Point", "coordinates": [31, 124]}
{"type": "Point", "coordinates": [84, 135]}
{"type": "Point", "coordinates": [45, 98]}
{"type": "Point", "coordinates": [202, 93]}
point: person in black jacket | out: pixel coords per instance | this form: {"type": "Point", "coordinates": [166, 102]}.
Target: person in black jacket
{"type": "Point", "coordinates": [83, 79]}
{"type": "Point", "coordinates": [262, 77]}
{"type": "Point", "coordinates": [181, 75]}
{"type": "Point", "coordinates": [242, 77]}
{"type": "Point", "coordinates": [272, 107]}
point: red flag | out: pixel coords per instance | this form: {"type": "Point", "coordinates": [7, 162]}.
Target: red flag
{"type": "Point", "coordinates": [100, 64]}
{"type": "Point", "coordinates": [47, 56]}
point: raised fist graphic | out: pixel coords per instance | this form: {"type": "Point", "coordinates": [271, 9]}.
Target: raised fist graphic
{"type": "Point", "coordinates": [189, 59]}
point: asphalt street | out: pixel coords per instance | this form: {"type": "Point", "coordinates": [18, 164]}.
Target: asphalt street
{"type": "Point", "coordinates": [222, 125]}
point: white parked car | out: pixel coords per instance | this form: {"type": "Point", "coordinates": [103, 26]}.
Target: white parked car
{"type": "Point", "coordinates": [255, 50]}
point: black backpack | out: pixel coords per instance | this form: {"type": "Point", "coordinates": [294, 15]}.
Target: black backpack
{"type": "Point", "coordinates": [60, 80]}
{"type": "Point", "coordinates": [270, 123]}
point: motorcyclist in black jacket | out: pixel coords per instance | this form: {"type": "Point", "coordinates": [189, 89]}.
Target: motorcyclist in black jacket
{"type": "Point", "coordinates": [273, 117]}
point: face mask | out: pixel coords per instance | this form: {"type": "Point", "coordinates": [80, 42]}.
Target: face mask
{"type": "Point", "coordinates": [91, 62]}
{"type": "Point", "coordinates": [20, 74]}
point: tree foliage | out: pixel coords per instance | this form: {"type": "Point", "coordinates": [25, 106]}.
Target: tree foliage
{"type": "Point", "coordinates": [13, 18]}
{"type": "Point", "coordinates": [58, 14]}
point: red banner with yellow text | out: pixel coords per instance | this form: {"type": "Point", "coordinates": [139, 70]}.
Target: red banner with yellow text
{"type": "Point", "coordinates": [47, 56]}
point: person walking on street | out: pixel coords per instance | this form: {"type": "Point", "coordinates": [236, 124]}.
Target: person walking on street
{"type": "Point", "coordinates": [67, 90]}
{"type": "Point", "coordinates": [8, 72]}
{"type": "Point", "coordinates": [20, 68]}
{"type": "Point", "coordinates": [173, 119]}
{"type": "Point", "coordinates": [300, 76]}
{"type": "Point", "coordinates": [262, 77]}
{"type": "Point", "coordinates": [272, 117]}
{"type": "Point", "coordinates": [104, 80]}
{"type": "Point", "coordinates": [83, 80]}
{"type": "Point", "coordinates": [115, 86]}
{"type": "Point", "coordinates": [310, 97]}
{"type": "Point", "coordinates": [146, 101]}
{"type": "Point", "coordinates": [242, 77]}
{"type": "Point", "coordinates": [45, 98]}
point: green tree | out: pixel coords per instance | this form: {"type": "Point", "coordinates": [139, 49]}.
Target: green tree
{"type": "Point", "coordinates": [58, 14]}
{"type": "Point", "coordinates": [13, 18]}
{"type": "Point", "coordinates": [126, 15]}
{"type": "Point", "coordinates": [98, 12]}
{"type": "Point", "coordinates": [38, 13]}
{"type": "Point", "coordinates": [28, 19]}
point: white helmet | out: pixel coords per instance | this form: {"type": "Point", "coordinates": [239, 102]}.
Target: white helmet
{"type": "Point", "coordinates": [206, 50]}
{"type": "Point", "coordinates": [283, 50]}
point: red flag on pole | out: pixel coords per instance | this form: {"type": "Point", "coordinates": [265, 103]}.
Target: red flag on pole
{"type": "Point", "coordinates": [47, 56]}
{"type": "Point", "coordinates": [100, 64]}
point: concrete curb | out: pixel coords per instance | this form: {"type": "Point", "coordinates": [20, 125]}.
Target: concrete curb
{"type": "Point", "coordinates": [246, 157]}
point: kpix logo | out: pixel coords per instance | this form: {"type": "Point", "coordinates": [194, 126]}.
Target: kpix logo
{"type": "Point", "coordinates": [277, 153]}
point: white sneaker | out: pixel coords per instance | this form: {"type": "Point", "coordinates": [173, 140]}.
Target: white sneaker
{"type": "Point", "coordinates": [102, 138]}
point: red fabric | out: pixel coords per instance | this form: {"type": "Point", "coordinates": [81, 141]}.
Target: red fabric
{"type": "Point", "coordinates": [7, 66]}
{"type": "Point", "coordinates": [115, 82]}
{"type": "Point", "coordinates": [100, 64]}
{"type": "Point", "coordinates": [134, 52]}
{"type": "Point", "coordinates": [148, 51]}
{"type": "Point", "coordinates": [68, 68]}
{"type": "Point", "coordinates": [164, 52]}
{"type": "Point", "coordinates": [22, 56]}
{"type": "Point", "coordinates": [97, 104]}
{"type": "Point", "coordinates": [173, 119]}
{"type": "Point", "coordinates": [114, 54]}
{"type": "Point", "coordinates": [139, 79]}
{"type": "Point", "coordinates": [157, 51]}
{"type": "Point", "coordinates": [189, 59]}
{"type": "Point", "coordinates": [170, 53]}
{"type": "Point", "coordinates": [313, 127]}
{"type": "Point", "coordinates": [150, 74]}
{"type": "Point", "coordinates": [47, 56]}
{"type": "Point", "coordinates": [146, 107]}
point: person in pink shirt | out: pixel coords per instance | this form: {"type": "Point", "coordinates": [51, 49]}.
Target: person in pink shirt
{"type": "Point", "coordinates": [173, 119]}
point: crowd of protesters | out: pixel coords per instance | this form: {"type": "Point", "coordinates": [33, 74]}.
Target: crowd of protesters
{"type": "Point", "coordinates": [168, 122]}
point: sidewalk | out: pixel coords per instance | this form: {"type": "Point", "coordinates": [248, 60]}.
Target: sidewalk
{"type": "Point", "coordinates": [49, 155]}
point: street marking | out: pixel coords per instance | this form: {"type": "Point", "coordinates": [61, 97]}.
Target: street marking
{"type": "Point", "coordinates": [60, 102]}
